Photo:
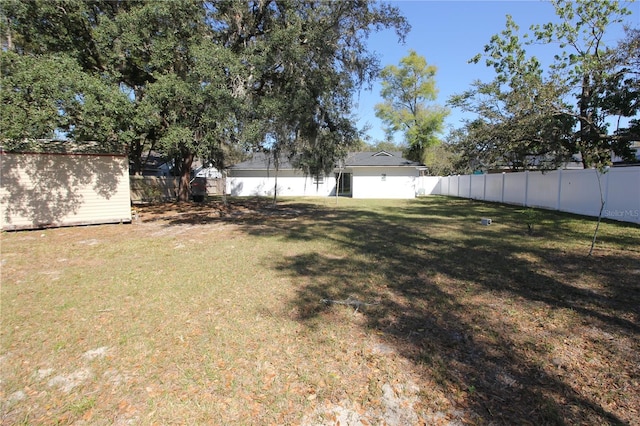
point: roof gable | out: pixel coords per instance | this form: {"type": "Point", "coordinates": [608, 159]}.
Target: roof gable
{"type": "Point", "coordinates": [379, 159]}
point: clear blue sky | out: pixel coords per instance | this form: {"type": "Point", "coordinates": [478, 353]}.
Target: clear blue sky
{"type": "Point", "coordinates": [448, 34]}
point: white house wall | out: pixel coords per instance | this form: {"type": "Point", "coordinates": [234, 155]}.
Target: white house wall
{"type": "Point", "coordinates": [398, 182]}
{"type": "Point", "coordinates": [367, 182]}
{"type": "Point", "coordinates": [43, 190]}
{"type": "Point", "coordinates": [290, 183]}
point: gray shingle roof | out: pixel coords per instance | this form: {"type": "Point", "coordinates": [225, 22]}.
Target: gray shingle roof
{"type": "Point", "coordinates": [262, 161]}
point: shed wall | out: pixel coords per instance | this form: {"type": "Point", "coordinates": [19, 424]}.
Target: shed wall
{"type": "Point", "coordinates": [47, 190]}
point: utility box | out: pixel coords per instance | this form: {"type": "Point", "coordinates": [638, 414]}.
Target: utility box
{"type": "Point", "coordinates": [198, 189]}
{"type": "Point", "coordinates": [485, 221]}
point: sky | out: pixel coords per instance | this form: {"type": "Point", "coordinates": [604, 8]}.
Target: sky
{"type": "Point", "coordinates": [448, 34]}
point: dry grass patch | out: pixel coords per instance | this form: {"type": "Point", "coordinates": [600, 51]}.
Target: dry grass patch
{"type": "Point", "coordinates": [206, 313]}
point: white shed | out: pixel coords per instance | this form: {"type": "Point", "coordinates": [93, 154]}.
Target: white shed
{"type": "Point", "coordinates": [53, 184]}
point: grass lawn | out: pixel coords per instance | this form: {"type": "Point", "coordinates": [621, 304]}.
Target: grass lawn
{"type": "Point", "coordinates": [206, 314]}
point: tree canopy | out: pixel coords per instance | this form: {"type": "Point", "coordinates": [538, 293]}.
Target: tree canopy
{"type": "Point", "coordinates": [191, 78]}
{"type": "Point", "coordinates": [532, 117]}
{"type": "Point", "coordinates": [408, 90]}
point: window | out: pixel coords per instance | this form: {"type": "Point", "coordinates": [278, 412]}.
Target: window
{"type": "Point", "coordinates": [318, 180]}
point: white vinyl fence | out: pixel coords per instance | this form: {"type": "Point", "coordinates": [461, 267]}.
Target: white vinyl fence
{"type": "Point", "coordinates": [573, 191]}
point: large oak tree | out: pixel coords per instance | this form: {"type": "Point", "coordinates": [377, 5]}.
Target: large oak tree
{"type": "Point", "coordinates": [202, 78]}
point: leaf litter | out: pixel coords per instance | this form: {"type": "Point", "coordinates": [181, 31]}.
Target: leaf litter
{"type": "Point", "coordinates": [259, 348]}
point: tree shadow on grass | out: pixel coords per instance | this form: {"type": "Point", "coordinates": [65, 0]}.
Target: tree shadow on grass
{"type": "Point", "coordinates": [425, 283]}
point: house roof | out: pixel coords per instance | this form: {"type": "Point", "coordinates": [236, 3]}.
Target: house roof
{"type": "Point", "coordinates": [379, 159]}
{"type": "Point", "coordinates": [262, 161]}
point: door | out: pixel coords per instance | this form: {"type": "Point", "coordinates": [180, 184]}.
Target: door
{"type": "Point", "coordinates": [344, 183]}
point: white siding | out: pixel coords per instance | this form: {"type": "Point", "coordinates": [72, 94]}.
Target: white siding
{"type": "Point", "coordinates": [367, 182]}
{"type": "Point", "coordinates": [290, 183]}
{"type": "Point", "coordinates": [384, 182]}
{"type": "Point", "coordinates": [41, 190]}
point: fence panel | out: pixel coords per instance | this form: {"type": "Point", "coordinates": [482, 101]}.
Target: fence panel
{"type": "Point", "coordinates": [476, 191]}
{"type": "Point", "coordinates": [623, 194]}
{"type": "Point", "coordinates": [464, 186]}
{"type": "Point", "coordinates": [573, 191]}
{"type": "Point", "coordinates": [543, 189]}
{"type": "Point", "coordinates": [149, 189]}
{"type": "Point", "coordinates": [515, 188]}
{"type": "Point", "coordinates": [444, 186]}
{"type": "Point", "coordinates": [454, 186]}
{"type": "Point", "coordinates": [215, 186]}
{"type": "Point", "coordinates": [493, 187]}
{"type": "Point", "coordinates": [579, 192]}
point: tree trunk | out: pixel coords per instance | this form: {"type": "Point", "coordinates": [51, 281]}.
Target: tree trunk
{"type": "Point", "coordinates": [184, 185]}
{"type": "Point", "coordinates": [585, 96]}
{"type": "Point", "coordinates": [135, 157]}
{"type": "Point", "coordinates": [275, 187]}
{"type": "Point", "coordinates": [602, 203]}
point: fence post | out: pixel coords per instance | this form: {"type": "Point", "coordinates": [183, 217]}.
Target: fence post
{"type": "Point", "coordinates": [606, 187]}
{"type": "Point", "coordinates": [503, 179]}
{"type": "Point", "coordinates": [526, 188]}
{"type": "Point", "coordinates": [559, 198]}
{"type": "Point", "coordinates": [484, 187]}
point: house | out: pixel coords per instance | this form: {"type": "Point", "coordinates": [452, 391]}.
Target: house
{"type": "Point", "coordinates": [59, 183]}
{"type": "Point", "coordinates": [153, 163]}
{"type": "Point", "coordinates": [635, 151]}
{"type": "Point", "coordinates": [379, 174]}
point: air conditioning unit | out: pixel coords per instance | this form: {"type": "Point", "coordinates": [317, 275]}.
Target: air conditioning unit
{"type": "Point", "coordinates": [485, 221]}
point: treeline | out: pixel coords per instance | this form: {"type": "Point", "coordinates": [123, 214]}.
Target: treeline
{"type": "Point", "coordinates": [583, 105]}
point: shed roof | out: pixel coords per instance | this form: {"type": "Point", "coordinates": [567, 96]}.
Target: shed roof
{"type": "Point", "coordinates": [50, 146]}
